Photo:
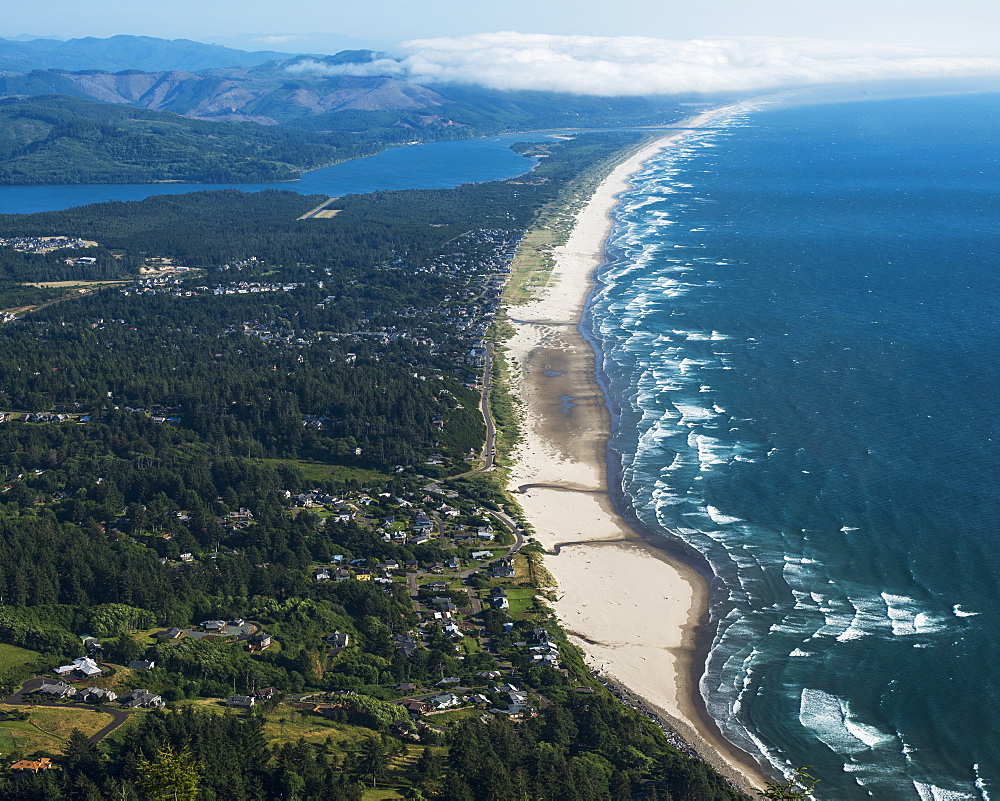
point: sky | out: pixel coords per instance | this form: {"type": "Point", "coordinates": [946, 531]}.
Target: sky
{"type": "Point", "coordinates": [616, 47]}
{"type": "Point", "coordinates": [969, 27]}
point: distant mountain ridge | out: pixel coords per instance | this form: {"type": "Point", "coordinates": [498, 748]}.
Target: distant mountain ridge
{"type": "Point", "coordinates": [267, 93]}
{"type": "Point", "coordinates": [124, 52]}
{"type": "Point", "coordinates": [53, 128]}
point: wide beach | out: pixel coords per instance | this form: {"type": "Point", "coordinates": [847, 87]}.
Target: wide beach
{"type": "Point", "coordinates": [631, 607]}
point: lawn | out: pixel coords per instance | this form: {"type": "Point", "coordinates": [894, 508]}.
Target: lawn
{"type": "Point", "coordinates": [521, 599]}
{"type": "Point", "coordinates": [47, 729]}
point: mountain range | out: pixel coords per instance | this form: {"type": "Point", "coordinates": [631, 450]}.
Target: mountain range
{"type": "Point", "coordinates": [337, 116]}
{"type": "Point", "coordinates": [123, 53]}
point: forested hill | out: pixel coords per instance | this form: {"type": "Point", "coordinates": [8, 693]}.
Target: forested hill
{"type": "Point", "coordinates": [65, 140]}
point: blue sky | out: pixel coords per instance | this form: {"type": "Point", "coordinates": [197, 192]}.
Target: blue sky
{"type": "Point", "coordinates": [959, 26]}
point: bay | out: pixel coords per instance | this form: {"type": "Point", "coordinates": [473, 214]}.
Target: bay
{"type": "Point", "coordinates": [436, 165]}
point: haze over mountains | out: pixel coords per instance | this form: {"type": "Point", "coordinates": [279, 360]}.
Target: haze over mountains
{"type": "Point", "coordinates": [46, 138]}
{"type": "Point", "coordinates": [122, 53]}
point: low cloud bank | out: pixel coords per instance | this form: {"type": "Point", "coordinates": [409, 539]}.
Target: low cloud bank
{"type": "Point", "coordinates": [635, 65]}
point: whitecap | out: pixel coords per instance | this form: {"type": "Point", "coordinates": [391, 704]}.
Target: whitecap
{"type": "Point", "coordinates": [719, 517]}
{"type": "Point", "coordinates": [930, 792]}
{"type": "Point", "coordinates": [800, 652]}
{"type": "Point", "coordinates": [823, 714]}
{"type": "Point", "coordinates": [959, 612]}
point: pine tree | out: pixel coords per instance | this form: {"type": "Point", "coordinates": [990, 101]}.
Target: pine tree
{"type": "Point", "coordinates": [172, 776]}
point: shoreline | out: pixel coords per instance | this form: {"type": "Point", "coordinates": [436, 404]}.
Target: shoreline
{"type": "Point", "coordinates": [611, 578]}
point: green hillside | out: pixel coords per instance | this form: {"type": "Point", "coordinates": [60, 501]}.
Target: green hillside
{"type": "Point", "coordinates": [64, 140]}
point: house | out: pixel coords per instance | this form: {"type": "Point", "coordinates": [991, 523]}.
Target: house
{"type": "Point", "coordinates": [55, 689]}
{"type": "Point", "coordinates": [32, 765]}
{"type": "Point", "coordinates": [452, 563]}
{"type": "Point", "coordinates": [482, 554]}
{"type": "Point", "coordinates": [322, 575]}
{"type": "Point", "coordinates": [142, 664]}
{"type": "Point", "coordinates": [238, 622]}
{"type": "Point", "coordinates": [449, 680]}
{"type": "Point", "coordinates": [499, 598]}
{"type": "Point", "coordinates": [187, 557]}
{"type": "Point", "coordinates": [97, 695]}
{"type": "Point", "coordinates": [92, 644]}
{"type": "Point", "coordinates": [444, 701]}
{"type": "Point", "coordinates": [484, 533]}
{"type": "Point", "coordinates": [339, 639]}
{"type": "Point", "coordinates": [340, 574]}
{"type": "Point", "coordinates": [405, 644]}
{"type": "Point", "coordinates": [411, 564]}
{"type": "Point", "coordinates": [406, 687]}
{"type": "Point", "coordinates": [141, 698]}
{"type": "Point", "coordinates": [170, 634]}
{"type": "Point", "coordinates": [416, 707]}
{"type": "Point", "coordinates": [436, 586]}
{"type": "Point", "coordinates": [214, 625]}
{"type": "Point", "coordinates": [500, 570]}
{"type": "Point", "coordinates": [83, 664]}
{"type": "Point", "coordinates": [260, 642]}
{"type": "Point", "coordinates": [241, 701]}
{"type": "Point", "coordinates": [265, 694]}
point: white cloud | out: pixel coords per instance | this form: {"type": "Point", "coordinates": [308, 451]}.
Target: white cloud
{"type": "Point", "coordinates": [380, 66]}
{"type": "Point", "coordinates": [635, 65]}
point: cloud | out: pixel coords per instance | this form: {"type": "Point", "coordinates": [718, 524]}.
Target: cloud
{"type": "Point", "coordinates": [635, 65]}
{"type": "Point", "coordinates": [380, 66]}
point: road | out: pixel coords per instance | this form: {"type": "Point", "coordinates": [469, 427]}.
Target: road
{"type": "Point", "coordinates": [118, 716]}
{"type": "Point", "coordinates": [490, 448]}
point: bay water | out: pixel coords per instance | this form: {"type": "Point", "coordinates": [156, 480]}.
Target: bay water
{"type": "Point", "coordinates": [436, 165]}
{"type": "Point", "coordinates": [799, 331]}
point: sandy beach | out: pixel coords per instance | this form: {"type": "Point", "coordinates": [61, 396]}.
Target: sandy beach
{"type": "Point", "coordinates": [632, 608]}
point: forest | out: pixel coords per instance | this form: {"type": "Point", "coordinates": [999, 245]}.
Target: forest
{"type": "Point", "coordinates": [53, 139]}
{"type": "Point", "coordinates": [244, 489]}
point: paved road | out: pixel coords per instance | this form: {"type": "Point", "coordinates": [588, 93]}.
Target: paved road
{"type": "Point", "coordinates": [118, 716]}
{"type": "Point", "coordinates": [490, 448]}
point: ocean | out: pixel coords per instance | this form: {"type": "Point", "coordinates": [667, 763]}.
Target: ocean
{"type": "Point", "coordinates": [799, 332]}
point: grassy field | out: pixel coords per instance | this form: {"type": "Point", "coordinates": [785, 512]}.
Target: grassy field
{"type": "Point", "coordinates": [315, 471]}
{"type": "Point", "coordinates": [521, 599]}
{"type": "Point", "coordinates": [47, 729]}
{"type": "Point", "coordinates": [13, 658]}
{"type": "Point", "coordinates": [287, 724]}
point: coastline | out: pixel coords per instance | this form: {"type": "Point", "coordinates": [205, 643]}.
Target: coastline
{"type": "Point", "coordinates": [611, 581]}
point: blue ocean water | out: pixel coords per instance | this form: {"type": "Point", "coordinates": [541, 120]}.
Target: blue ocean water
{"type": "Point", "coordinates": [437, 165]}
{"type": "Point", "coordinates": [800, 327]}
